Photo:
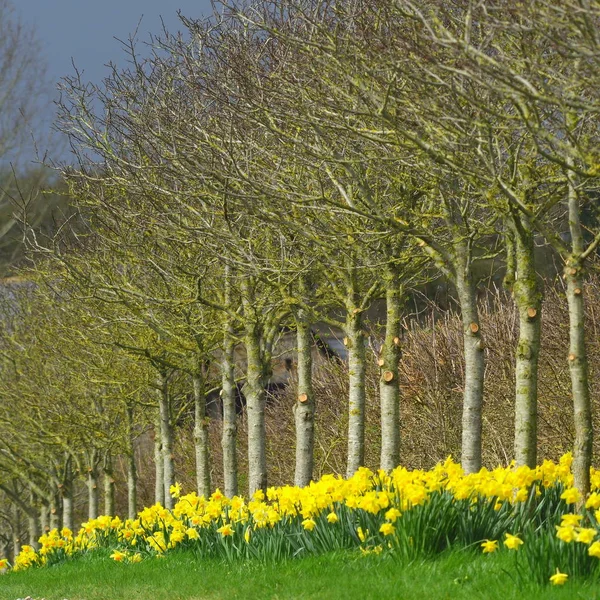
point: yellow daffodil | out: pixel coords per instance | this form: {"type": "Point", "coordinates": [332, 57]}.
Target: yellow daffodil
{"type": "Point", "coordinates": [387, 529]}
{"type": "Point", "coordinates": [594, 550]}
{"type": "Point", "coordinates": [585, 535]}
{"type": "Point", "coordinates": [118, 556]}
{"type": "Point", "coordinates": [226, 530]}
{"type": "Point", "coordinates": [332, 518]}
{"type": "Point", "coordinates": [571, 495]}
{"type": "Point", "coordinates": [175, 490]}
{"type": "Point", "coordinates": [362, 536]}
{"type": "Point", "coordinates": [593, 501]}
{"type": "Point", "coordinates": [309, 524]}
{"type": "Point", "coordinates": [566, 533]}
{"type": "Point", "coordinates": [570, 519]}
{"type": "Point", "coordinates": [392, 514]}
{"type": "Point", "coordinates": [489, 546]}
{"type": "Point", "coordinates": [512, 542]}
{"type": "Point", "coordinates": [559, 578]}
{"type": "Point", "coordinates": [192, 533]}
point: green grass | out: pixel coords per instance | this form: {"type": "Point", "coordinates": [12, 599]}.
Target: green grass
{"type": "Point", "coordinates": [340, 576]}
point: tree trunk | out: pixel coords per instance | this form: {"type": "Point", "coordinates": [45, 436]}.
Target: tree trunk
{"type": "Point", "coordinates": [92, 484]}
{"type": "Point", "coordinates": [474, 372]}
{"type": "Point", "coordinates": [228, 396]}
{"type": "Point", "coordinates": [45, 517]}
{"type": "Point", "coordinates": [131, 487]}
{"type": "Point", "coordinates": [67, 495]}
{"type": "Point", "coordinates": [356, 396]}
{"type": "Point", "coordinates": [109, 487]}
{"type": "Point", "coordinates": [528, 299]}
{"type": "Point", "coordinates": [578, 367]}
{"type": "Point", "coordinates": [304, 407]}
{"type": "Point", "coordinates": [389, 388]}
{"type": "Point", "coordinates": [15, 519]}
{"type": "Point", "coordinates": [34, 531]}
{"type": "Point", "coordinates": [578, 361]}
{"type": "Point", "coordinates": [201, 442]}
{"type": "Point", "coordinates": [131, 467]}
{"type": "Point", "coordinates": [33, 520]}
{"type": "Point", "coordinates": [166, 432]}
{"type": "Point", "coordinates": [254, 391]}
{"type": "Point", "coordinates": [159, 466]}
{"type": "Point", "coordinates": [55, 513]}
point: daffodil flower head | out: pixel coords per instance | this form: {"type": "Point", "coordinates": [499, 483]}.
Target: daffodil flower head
{"type": "Point", "coordinates": [558, 578]}
{"type": "Point", "coordinates": [387, 529]}
{"type": "Point", "coordinates": [489, 546]}
{"type": "Point", "coordinates": [512, 542]}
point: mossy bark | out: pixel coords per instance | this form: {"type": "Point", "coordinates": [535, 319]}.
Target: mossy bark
{"type": "Point", "coordinates": [45, 517]}
{"type": "Point", "coordinates": [304, 408]}
{"type": "Point", "coordinates": [527, 294]}
{"type": "Point", "coordinates": [389, 389]}
{"type": "Point", "coordinates": [254, 391]}
{"type": "Point", "coordinates": [92, 485]}
{"type": "Point", "coordinates": [578, 360]}
{"type": "Point", "coordinates": [356, 389]}
{"type": "Point", "coordinates": [131, 466]}
{"type": "Point", "coordinates": [474, 372]}
{"type": "Point", "coordinates": [159, 467]}
{"type": "Point", "coordinates": [66, 491]}
{"type": "Point", "coordinates": [33, 521]}
{"type": "Point", "coordinates": [15, 520]}
{"type": "Point", "coordinates": [578, 367]}
{"type": "Point", "coordinates": [109, 486]}
{"type": "Point", "coordinates": [228, 398]}
{"type": "Point", "coordinates": [166, 437]}
{"type": "Point", "coordinates": [55, 509]}
{"type": "Point", "coordinates": [201, 442]}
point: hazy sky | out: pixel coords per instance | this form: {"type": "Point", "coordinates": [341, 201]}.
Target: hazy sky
{"type": "Point", "coordinates": [85, 30]}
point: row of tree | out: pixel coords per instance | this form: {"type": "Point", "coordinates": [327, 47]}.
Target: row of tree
{"type": "Point", "coordinates": [285, 163]}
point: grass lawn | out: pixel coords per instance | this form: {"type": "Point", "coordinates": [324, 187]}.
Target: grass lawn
{"type": "Point", "coordinates": [341, 576]}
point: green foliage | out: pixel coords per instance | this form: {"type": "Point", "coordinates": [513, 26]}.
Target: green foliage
{"type": "Point", "coordinates": [344, 575]}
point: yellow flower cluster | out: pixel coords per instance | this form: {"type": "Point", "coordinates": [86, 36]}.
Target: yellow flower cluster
{"type": "Point", "coordinates": [332, 504]}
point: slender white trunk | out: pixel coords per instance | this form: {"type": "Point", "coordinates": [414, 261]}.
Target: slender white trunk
{"type": "Point", "coordinates": [92, 484]}
{"type": "Point", "coordinates": [16, 527]}
{"type": "Point", "coordinates": [528, 299]}
{"type": "Point", "coordinates": [355, 341]}
{"type": "Point", "coordinates": [45, 517]}
{"type": "Point", "coordinates": [33, 521]}
{"type": "Point", "coordinates": [254, 391]}
{"type": "Point", "coordinates": [578, 361]}
{"type": "Point", "coordinates": [68, 512]}
{"type": "Point", "coordinates": [131, 487]}
{"type": "Point", "coordinates": [34, 531]}
{"type": "Point", "coordinates": [474, 373]}
{"type": "Point", "coordinates": [131, 467]}
{"type": "Point", "coordinates": [201, 443]}
{"type": "Point", "coordinates": [578, 367]}
{"type": "Point", "coordinates": [304, 407]}
{"type": "Point", "coordinates": [228, 396]}
{"type": "Point", "coordinates": [67, 494]}
{"type": "Point", "coordinates": [109, 486]}
{"type": "Point", "coordinates": [55, 516]}
{"type": "Point", "coordinates": [166, 433]}
{"type": "Point", "coordinates": [159, 467]}
{"type": "Point", "coordinates": [389, 388]}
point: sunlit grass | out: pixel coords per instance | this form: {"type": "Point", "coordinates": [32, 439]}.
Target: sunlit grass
{"type": "Point", "coordinates": [342, 575]}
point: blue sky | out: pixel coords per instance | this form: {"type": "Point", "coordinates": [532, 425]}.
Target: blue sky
{"type": "Point", "coordinates": [85, 30]}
